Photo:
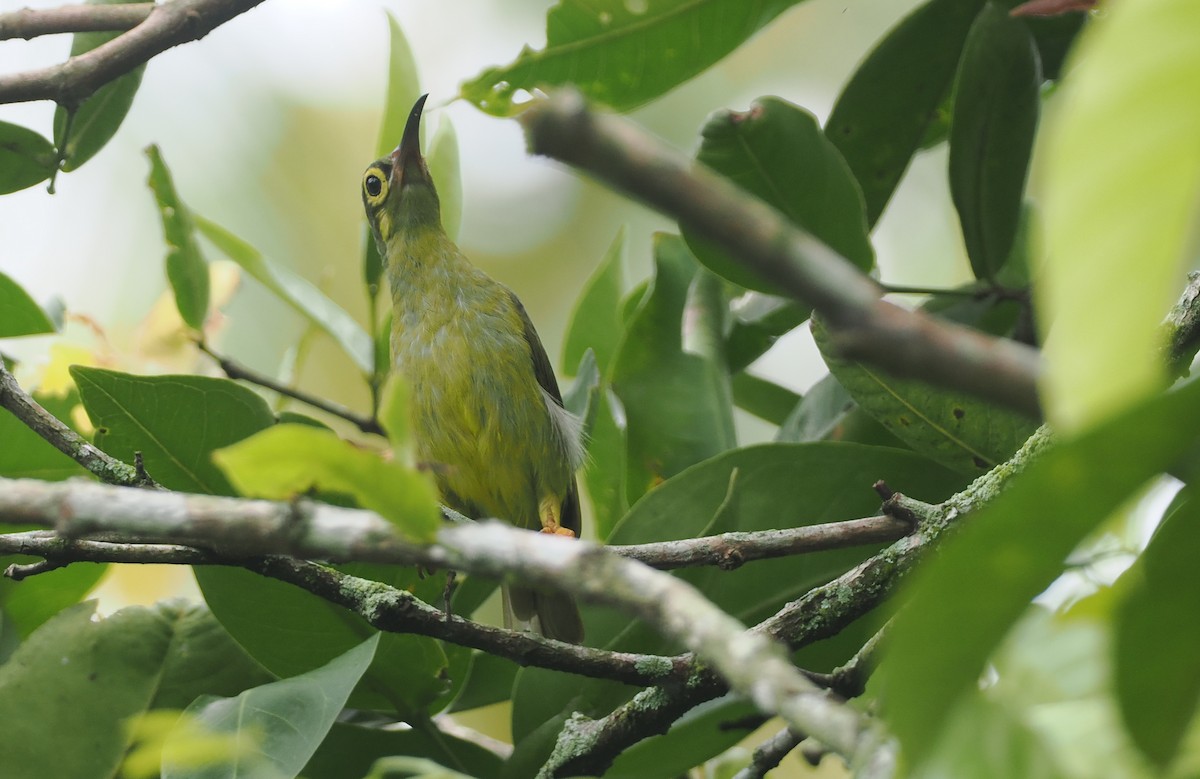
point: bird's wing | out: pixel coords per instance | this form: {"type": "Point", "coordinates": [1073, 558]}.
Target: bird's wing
{"type": "Point", "coordinates": [545, 379]}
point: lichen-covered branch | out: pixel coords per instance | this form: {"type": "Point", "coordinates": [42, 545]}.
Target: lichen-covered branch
{"type": "Point", "coordinates": [750, 662]}
{"type": "Point", "coordinates": [53, 431]}
{"type": "Point", "coordinates": [861, 324]}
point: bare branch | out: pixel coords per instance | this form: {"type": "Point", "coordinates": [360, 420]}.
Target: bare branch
{"type": "Point", "coordinates": [236, 370]}
{"type": "Point", "coordinates": [768, 754]}
{"type": "Point", "coordinates": [169, 24]}
{"type": "Point", "coordinates": [29, 23]}
{"type": "Point", "coordinates": [862, 325]}
{"type": "Point", "coordinates": [731, 550]}
{"type": "Point", "coordinates": [64, 439]}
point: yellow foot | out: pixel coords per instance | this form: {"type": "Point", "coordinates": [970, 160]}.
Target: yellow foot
{"type": "Point", "coordinates": [548, 511]}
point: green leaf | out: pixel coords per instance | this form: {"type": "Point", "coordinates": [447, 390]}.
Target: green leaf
{"type": "Point", "coordinates": [30, 603]}
{"type": "Point", "coordinates": [753, 488]}
{"type": "Point", "coordinates": [26, 454]}
{"type": "Point", "coordinates": [291, 631]}
{"type": "Point", "coordinates": [605, 469]}
{"type": "Point", "coordinates": [765, 487]}
{"type": "Point", "coordinates": [19, 315]}
{"type": "Point", "coordinates": [996, 107]}
{"type": "Point", "coordinates": [26, 158]}
{"type": "Point", "coordinates": [490, 681]}
{"type": "Point", "coordinates": [885, 110]}
{"type": "Point", "coordinates": [676, 402]}
{"type": "Point", "coordinates": [987, 740]}
{"type": "Point", "coordinates": [350, 751]}
{"type": "Point", "coordinates": [297, 292]}
{"type": "Point", "coordinates": [67, 691]}
{"type": "Point", "coordinates": [289, 718]}
{"type": "Point", "coordinates": [403, 88]}
{"type": "Point", "coordinates": [186, 269]}
{"type": "Point", "coordinates": [204, 659]}
{"type": "Point", "coordinates": [776, 151]}
{"type": "Point", "coordinates": [444, 167]}
{"type": "Point", "coordinates": [762, 398]}
{"type": "Point", "coordinates": [1120, 187]}
{"type": "Point", "coordinates": [819, 415]}
{"type": "Point", "coordinates": [174, 421]}
{"type": "Point", "coordinates": [758, 322]}
{"type": "Point", "coordinates": [622, 53]}
{"type": "Point", "coordinates": [953, 428]}
{"type": "Point", "coordinates": [596, 319]}
{"type": "Point", "coordinates": [288, 460]}
{"type": "Point", "coordinates": [1156, 635]}
{"type": "Point", "coordinates": [82, 133]}
{"type": "Point", "coordinates": [1017, 545]}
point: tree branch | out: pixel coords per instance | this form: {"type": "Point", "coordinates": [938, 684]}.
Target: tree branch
{"type": "Point", "coordinates": [730, 550]}
{"type": "Point", "coordinates": [29, 23]}
{"type": "Point", "coordinates": [64, 439]}
{"type": "Point", "coordinates": [386, 608]}
{"type": "Point", "coordinates": [168, 24]}
{"type": "Point", "coordinates": [907, 343]}
{"type": "Point", "coordinates": [588, 747]}
{"type": "Point", "coordinates": [237, 371]}
{"type": "Point", "coordinates": [750, 662]}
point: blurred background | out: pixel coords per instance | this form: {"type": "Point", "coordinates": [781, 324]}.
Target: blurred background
{"type": "Point", "coordinates": [267, 125]}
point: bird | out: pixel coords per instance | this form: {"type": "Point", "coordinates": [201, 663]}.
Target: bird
{"type": "Point", "coordinates": [486, 412]}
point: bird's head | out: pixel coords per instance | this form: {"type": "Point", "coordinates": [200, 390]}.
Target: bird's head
{"type": "Point", "coordinates": [397, 190]}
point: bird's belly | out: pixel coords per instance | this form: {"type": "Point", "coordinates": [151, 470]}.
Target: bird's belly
{"type": "Point", "coordinates": [481, 424]}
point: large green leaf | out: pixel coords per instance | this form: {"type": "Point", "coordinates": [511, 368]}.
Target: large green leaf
{"type": "Point", "coordinates": [985, 575]}
{"type": "Point", "coordinates": [776, 151]}
{"type": "Point", "coordinates": [19, 315]}
{"type": "Point", "coordinates": [67, 693]}
{"type": "Point", "coordinates": [624, 53]}
{"type": "Point", "coordinates": [763, 398]}
{"type": "Point", "coordinates": [596, 319]}
{"type": "Point", "coordinates": [996, 107]}
{"type": "Point", "coordinates": [285, 461]}
{"type": "Point", "coordinates": [349, 751]}
{"type": "Point", "coordinates": [953, 428]}
{"type": "Point", "coordinates": [26, 158]}
{"type": "Point", "coordinates": [288, 719]}
{"type": "Point", "coordinates": [1120, 187]}
{"type": "Point", "coordinates": [1157, 676]}
{"type": "Point", "coordinates": [754, 488]}
{"type": "Point", "coordinates": [291, 631]}
{"type": "Point", "coordinates": [174, 421]}
{"type": "Point", "coordinates": [81, 133]}
{"type": "Point", "coordinates": [886, 108]}
{"type": "Point", "coordinates": [677, 402]}
{"type": "Point", "coordinates": [296, 291]}
{"type": "Point", "coordinates": [186, 269]}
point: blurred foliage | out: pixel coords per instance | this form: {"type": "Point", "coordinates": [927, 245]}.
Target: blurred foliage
{"type": "Point", "coordinates": [280, 683]}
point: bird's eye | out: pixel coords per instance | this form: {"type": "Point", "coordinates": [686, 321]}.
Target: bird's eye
{"type": "Point", "coordinates": [374, 185]}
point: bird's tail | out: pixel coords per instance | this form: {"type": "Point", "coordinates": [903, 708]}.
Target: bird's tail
{"type": "Point", "coordinates": [556, 612]}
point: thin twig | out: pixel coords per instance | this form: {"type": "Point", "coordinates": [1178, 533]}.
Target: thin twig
{"type": "Point", "coordinates": [57, 434]}
{"type": "Point", "coordinates": [236, 370]}
{"type": "Point", "coordinates": [862, 325]}
{"type": "Point", "coordinates": [168, 24]}
{"type": "Point", "coordinates": [730, 550]}
{"type": "Point", "coordinates": [769, 753]}
{"type": "Point", "coordinates": [29, 23]}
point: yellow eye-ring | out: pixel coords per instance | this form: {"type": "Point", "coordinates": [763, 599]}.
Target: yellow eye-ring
{"type": "Point", "coordinates": [375, 185]}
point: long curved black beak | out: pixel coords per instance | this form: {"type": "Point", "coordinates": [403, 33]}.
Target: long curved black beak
{"type": "Point", "coordinates": [407, 157]}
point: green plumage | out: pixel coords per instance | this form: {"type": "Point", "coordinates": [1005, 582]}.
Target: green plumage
{"type": "Point", "coordinates": [487, 414]}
